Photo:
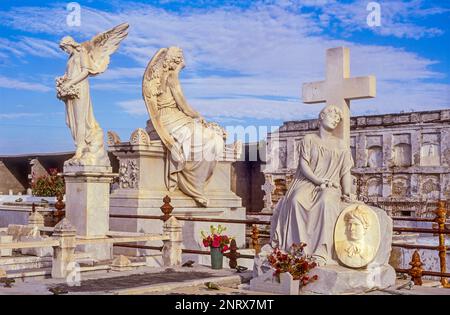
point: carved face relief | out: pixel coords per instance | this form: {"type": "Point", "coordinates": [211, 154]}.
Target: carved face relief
{"type": "Point", "coordinates": [355, 230]}
{"type": "Point", "coordinates": [357, 236]}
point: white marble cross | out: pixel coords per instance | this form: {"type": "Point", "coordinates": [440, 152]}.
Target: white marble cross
{"type": "Point", "coordinates": [338, 88]}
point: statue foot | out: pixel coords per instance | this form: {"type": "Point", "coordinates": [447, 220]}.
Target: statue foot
{"type": "Point", "coordinates": [75, 161]}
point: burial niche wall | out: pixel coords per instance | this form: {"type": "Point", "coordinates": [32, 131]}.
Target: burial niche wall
{"type": "Point", "coordinates": [375, 186]}
{"type": "Point", "coordinates": [431, 188]}
{"type": "Point", "coordinates": [402, 156]}
{"type": "Point", "coordinates": [401, 185]}
{"type": "Point", "coordinates": [374, 147]}
{"type": "Point", "coordinates": [280, 154]}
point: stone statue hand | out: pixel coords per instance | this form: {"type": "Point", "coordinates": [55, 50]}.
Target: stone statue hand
{"type": "Point", "coordinates": [327, 183]}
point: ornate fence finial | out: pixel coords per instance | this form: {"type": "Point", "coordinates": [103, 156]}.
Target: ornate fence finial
{"type": "Point", "coordinates": [59, 214]}
{"type": "Point", "coordinates": [255, 239]}
{"type": "Point", "coordinates": [416, 268]}
{"type": "Point", "coordinates": [441, 217]}
{"type": "Point", "coordinates": [166, 208]}
{"type": "Point", "coordinates": [233, 255]}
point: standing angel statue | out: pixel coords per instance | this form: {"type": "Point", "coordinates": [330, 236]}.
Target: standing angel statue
{"type": "Point", "coordinates": [86, 59]}
{"type": "Point", "coordinates": [194, 145]}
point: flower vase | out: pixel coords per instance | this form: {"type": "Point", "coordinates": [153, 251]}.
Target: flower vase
{"type": "Point", "coordinates": [216, 258]}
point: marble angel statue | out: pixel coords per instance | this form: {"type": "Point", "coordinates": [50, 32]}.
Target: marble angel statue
{"type": "Point", "coordinates": [313, 202]}
{"type": "Point", "coordinates": [86, 59]}
{"type": "Point", "coordinates": [194, 145]}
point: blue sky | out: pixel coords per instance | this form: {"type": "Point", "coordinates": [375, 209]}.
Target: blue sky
{"type": "Point", "coordinates": [245, 61]}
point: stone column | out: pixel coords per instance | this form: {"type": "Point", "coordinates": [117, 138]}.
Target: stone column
{"type": "Point", "coordinates": [388, 150]}
{"type": "Point", "coordinates": [87, 205]}
{"type": "Point", "coordinates": [172, 247]}
{"type": "Point", "coordinates": [64, 254]}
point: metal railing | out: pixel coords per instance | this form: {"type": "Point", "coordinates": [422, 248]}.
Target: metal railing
{"type": "Point", "coordinates": [416, 271]}
{"type": "Point", "coordinates": [233, 253]}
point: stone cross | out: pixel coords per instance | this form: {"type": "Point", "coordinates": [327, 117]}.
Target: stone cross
{"type": "Point", "coordinates": [338, 88]}
{"type": "Point", "coordinates": [268, 189]}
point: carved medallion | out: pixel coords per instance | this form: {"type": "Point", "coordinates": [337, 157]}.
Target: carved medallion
{"type": "Point", "coordinates": [357, 236]}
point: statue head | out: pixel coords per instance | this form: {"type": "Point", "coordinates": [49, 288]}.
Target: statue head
{"type": "Point", "coordinates": [330, 117]}
{"type": "Point", "coordinates": [357, 223]}
{"type": "Point", "coordinates": [68, 44]}
{"type": "Point", "coordinates": [174, 59]}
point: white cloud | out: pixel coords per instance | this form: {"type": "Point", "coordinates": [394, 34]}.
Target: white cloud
{"type": "Point", "coordinates": [398, 18]}
{"type": "Point", "coordinates": [18, 115]}
{"type": "Point", "coordinates": [133, 107]}
{"type": "Point", "coordinates": [25, 46]}
{"type": "Point", "coordinates": [260, 57]}
{"type": "Point", "coordinates": [9, 83]}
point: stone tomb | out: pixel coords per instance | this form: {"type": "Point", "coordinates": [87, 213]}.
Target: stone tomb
{"type": "Point", "coordinates": [141, 189]}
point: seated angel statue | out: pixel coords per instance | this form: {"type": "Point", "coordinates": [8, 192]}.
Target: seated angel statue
{"type": "Point", "coordinates": [194, 145]}
{"type": "Point", "coordinates": [309, 210]}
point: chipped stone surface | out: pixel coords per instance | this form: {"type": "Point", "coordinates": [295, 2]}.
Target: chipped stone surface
{"type": "Point", "coordinates": [399, 158]}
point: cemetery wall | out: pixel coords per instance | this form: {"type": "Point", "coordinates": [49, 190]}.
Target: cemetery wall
{"type": "Point", "coordinates": [401, 158]}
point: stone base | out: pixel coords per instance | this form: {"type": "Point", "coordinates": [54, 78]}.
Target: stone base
{"type": "Point", "coordinates": [269, 283]}
{"type": "Point", "coordinates": [341, 280]}
{"type": "Point", "coordinates": [87, 206]}
{"type": "Point", "coordinates": [36, 251]}
{"type": "Point", "coordinates": [142, 187]}
{"type": "Point", "coordinates": [99, 252]}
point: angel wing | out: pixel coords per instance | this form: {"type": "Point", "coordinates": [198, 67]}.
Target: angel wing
{"type": "Point", "coordinates": [103, 45]}
{"type": "Point", "coordinates": [150, 89]}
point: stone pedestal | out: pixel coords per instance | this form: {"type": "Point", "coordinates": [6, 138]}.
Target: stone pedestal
{"type": "Point", "coordinates": [142, 189]}
{"type": "Point", "coordinates": [64, 254]}
{"type": "Point", "coordinates": [87, 205]}
{"type": "Point", "coordinates": [341, 280]}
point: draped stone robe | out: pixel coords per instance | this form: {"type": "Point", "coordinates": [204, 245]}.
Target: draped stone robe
{"type": "Point", "coordinates": [308, 213]}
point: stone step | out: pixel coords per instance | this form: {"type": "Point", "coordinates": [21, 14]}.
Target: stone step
{"type": "Point", "coordinates": [232, 281]}
{"type": "Point", "coordinates": [24, 262]}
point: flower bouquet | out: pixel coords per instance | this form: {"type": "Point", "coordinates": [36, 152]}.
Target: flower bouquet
{"type": "Point", "coordinates": [63, 92]}
{"type": "Point", "coordinates": [217, 243]}
{"type": "Point", "coordinates": [295, 261]}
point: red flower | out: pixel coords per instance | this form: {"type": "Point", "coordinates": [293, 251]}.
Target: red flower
{"type": "Point", "coordinates": [206, 243]}
{"type": "Point", "coordinates": [216, 241]}
{"type": "Point", "coordinates": [225, 248]}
